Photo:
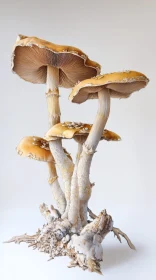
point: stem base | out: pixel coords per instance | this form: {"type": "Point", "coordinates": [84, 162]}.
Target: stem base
{"type": "Point", "coordinates": [84, 248]}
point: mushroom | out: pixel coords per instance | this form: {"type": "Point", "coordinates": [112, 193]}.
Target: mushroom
{"type": "Point", "coordinates": [79, 132]}
{"type": "Point", "coordinates": [37, 148]}
{"type": "Point", "coordinates": [39, 61]}
{"type": "Point", "coordinates": [103, 87]}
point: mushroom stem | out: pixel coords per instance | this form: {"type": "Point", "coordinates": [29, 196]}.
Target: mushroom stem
{"type": "Point", "coordinates": [66, 167]}
{"type": "Point", "coordinates": [73, 214]}
{"type": "Point", "coordinates": [55, 188]}
{"type": "Point", "coordinates": [53, 95]}
{"type": "Point", "coordinates": [89, 148]}
{"type": "Point", "coordinates": [54, 117]}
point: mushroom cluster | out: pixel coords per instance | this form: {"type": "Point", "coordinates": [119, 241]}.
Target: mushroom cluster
{"type": "Point", "coordinates": [68, 230]}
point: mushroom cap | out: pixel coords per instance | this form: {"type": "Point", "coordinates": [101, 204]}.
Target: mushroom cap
{"type": "Point", "coordinates": [37, 148]}
{"type": "Point", "coordinates": [68, 130]}
{"type": "Point", "coordinates": [120, 85]}
{"type": "Point", "coordinates": [32, 55]}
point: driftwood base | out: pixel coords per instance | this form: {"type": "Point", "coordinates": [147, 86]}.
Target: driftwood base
{"type": "Point", "coordinates": [84, 248]}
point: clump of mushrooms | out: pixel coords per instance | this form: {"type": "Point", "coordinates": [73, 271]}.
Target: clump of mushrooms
{"type": "Point", "coordinates": [68, 230]}
{"type": "Point", "coordinates": [38, 61]}
{"type": "Point", "coordinates": [79, 132]}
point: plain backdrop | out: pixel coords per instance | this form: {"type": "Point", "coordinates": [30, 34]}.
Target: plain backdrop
{"type": "Point", "coordinates": [119, 35]}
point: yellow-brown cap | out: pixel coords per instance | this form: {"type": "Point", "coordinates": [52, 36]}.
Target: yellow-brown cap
{"type": "Point", "coordinates": [31, 56]}
{"type": "Point", "coordinates": [37, 148]}
{"type": "Point", "coordinates": [68, 130]}
{"type": "Point", "coordinates": [120, 85]}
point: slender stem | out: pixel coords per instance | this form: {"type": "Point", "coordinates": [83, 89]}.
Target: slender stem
{"type": "Point", "coordinates": [54, 118]}
{"type": "Point", "coordinates": [53, 95]}
{"type": "Point", "coordinates": [55, 188]}
{"type": "Point", "coordinates": [66, 167]}
{"type": "Point", "coordinates": [89, 148]}
{"type": "Point", "coordinates": [73, 214]}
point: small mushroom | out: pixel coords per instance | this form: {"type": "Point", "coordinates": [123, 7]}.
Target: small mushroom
{"type": "Point", "coordinates": [102, 87]}
{"type": "Point", "coordinates": [38, 148]}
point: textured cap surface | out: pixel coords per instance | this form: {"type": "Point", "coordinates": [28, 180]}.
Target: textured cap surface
{"type": "Point", "coordinates": [120, 85]}
{"type": "Point", "coordinates": [35, 148]}
{"type": "Point", "coordinates": [69, 130]}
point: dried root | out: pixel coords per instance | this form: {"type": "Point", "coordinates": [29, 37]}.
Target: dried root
{"type": "Point", "coordinates": [24, 238]}
{"type": "Point", "coordinates": [91, 214]}
{"type": "Point", "coordinates": [84, 248]}
{"type": "Point", "coordinates": [118, 232]}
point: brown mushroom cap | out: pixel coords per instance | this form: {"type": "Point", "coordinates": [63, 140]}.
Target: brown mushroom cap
{"type": "Point", "coordinates": [31, 56]}
{"type": "Point", "coordinates": [36, 148]}
{"type": "Point", "coordinates": [68, 130]}
{"type": "Point", "coordinates": [120, 85]}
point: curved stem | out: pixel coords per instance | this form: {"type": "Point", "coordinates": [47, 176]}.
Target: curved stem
{"type": "Point", "coordinates": [89, 148]}
{"type": "Point", "coordinates": [55, 188]}
{"type": "Point", "coordinates": [66, 167]}
{"type": "Point", "coordinates": [73, 214]}
{"type": "Point", "coordinates": [54, 117]}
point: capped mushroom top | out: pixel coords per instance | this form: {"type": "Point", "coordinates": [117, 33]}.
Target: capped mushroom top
{"type": "Point", "coordinates": [68, 130]}
{"type": "Point", "coordinates": [120, 85]}
{"type": "Point", "coordinates": [32, 55]}
{"type": "Point", "coordinates": [37, 148]}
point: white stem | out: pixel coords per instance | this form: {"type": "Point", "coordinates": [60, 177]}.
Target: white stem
{"type": "Point", "coordinates": [53, 95]}
{"type": "Point", "coordinates": [66, 168]}
{"type": "Point", "coordinates": [54, 118]}
{"type": "Point", "coordinates": [89, 148]}
{"type": "Point", "coordinates": [55, 188]}
{"type": "Point", "coordinates": [73, 214]}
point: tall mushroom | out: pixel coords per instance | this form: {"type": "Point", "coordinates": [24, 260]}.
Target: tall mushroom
{"type": "Point", "coordinates": [103, 87]}
{"type": "Point", "coordinates": [39, 61]}
{"type": "Point", "coordinates": [37, 148]}
{"type": "Point", "coordinates": [79, 132]}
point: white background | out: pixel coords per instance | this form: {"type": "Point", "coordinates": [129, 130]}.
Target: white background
{"type": "Point", "coordinates": [119, 35]}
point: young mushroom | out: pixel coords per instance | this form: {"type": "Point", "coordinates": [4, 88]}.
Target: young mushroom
{"type": "Point", "coordinates": [79, 132]}
{"type": "Point", "coordinates": [103, 87]}
{"type": "Point", "coordinates": [41, 62]}
{"type": "Point", "coordinates": [37, 148]}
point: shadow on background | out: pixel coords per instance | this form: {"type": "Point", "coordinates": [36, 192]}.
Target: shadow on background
{"type": "Point", "coordinates": [118, 255]}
